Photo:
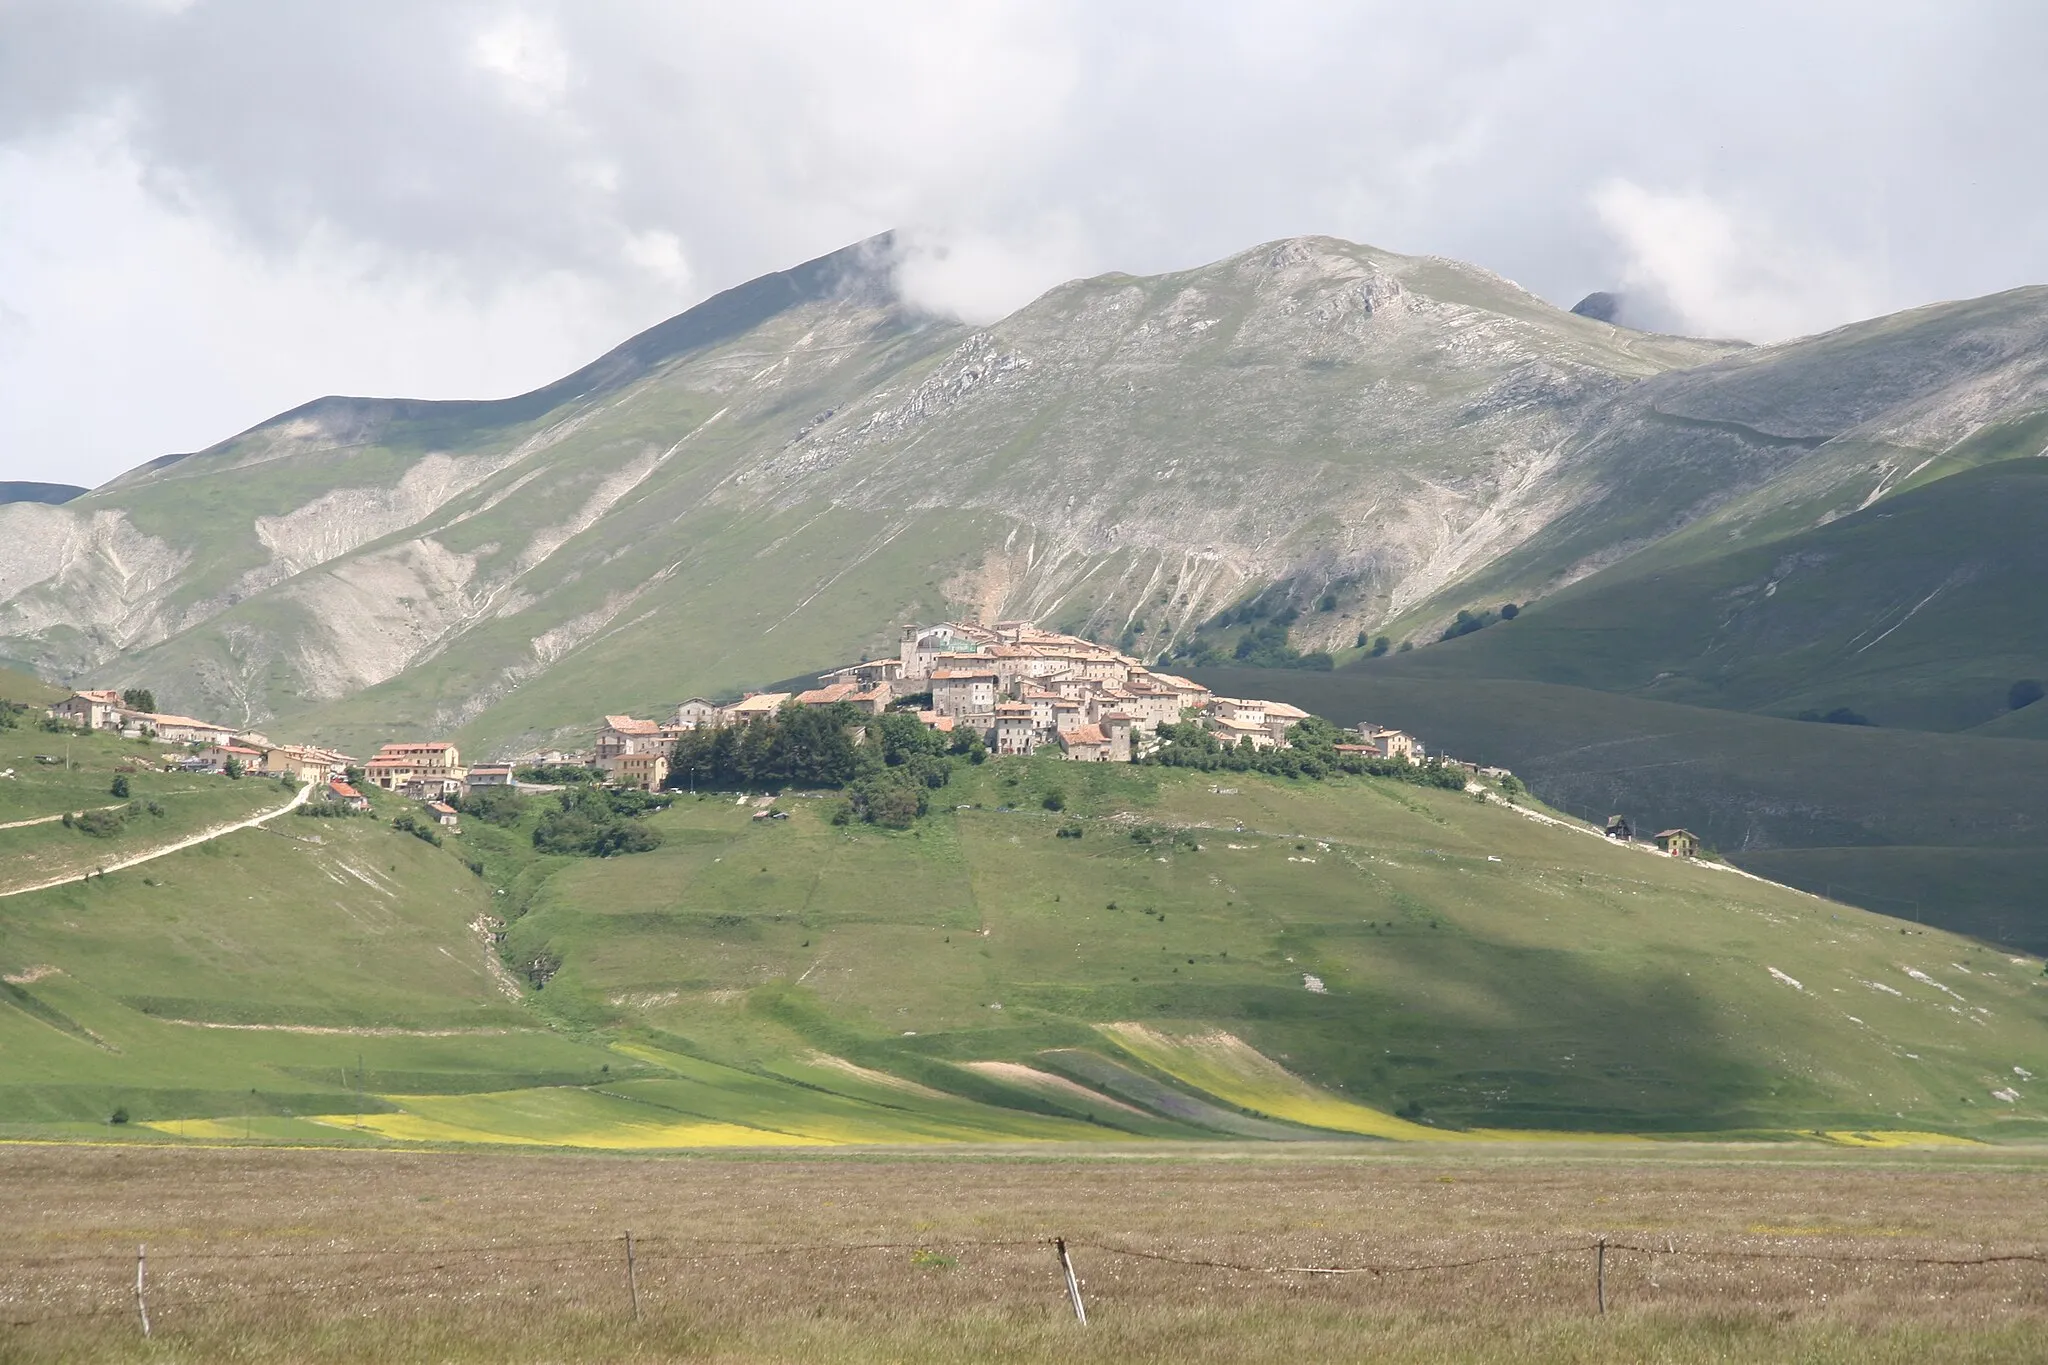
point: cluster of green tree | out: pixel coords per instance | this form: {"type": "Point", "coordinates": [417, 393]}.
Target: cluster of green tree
{"type": "Point", "coordinates": [1467, 622]}
{"type": "Point", "coordinates": [405, 822]}
{"type": "Point", "coordinates": [501, 806]}
{"type": "Point", "coordinates": [105, 824]}
{"type": "Point", "coordinates": [1263, 641]}
{"type": "Point", "coordinates": [594, 822]}
{"type": "Point", "coordinates": [554, 774]}
{"type": "Point", "coordinates": [12, 713]}
{"type": "Point", "coordinates": [1375, 646]}
{"type": "Point", "coordinates": [330, 810]}
{"type": "Point", "coordinates": [138, 699]}
{"type": "Point", "coordinates": [1263, 645]}
{"type": "Point", "coordinates": [888, 773]}
{"type": "Point", "coordinates": [1841, 715]}
{"type": "Point", "coordinates": [808, 746]}
{"type": "Point", "coordinates": [1311, 752]}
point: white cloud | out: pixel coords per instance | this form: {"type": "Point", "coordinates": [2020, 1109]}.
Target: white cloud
{"type": "Point", "coordinates": [218, 210]}
{"type": "Point", "coordinates": [1692, 264]}
{"type": "Point", "coordinates": [979, 277]}
{"type": "Point", "coordinates": [526, 54]}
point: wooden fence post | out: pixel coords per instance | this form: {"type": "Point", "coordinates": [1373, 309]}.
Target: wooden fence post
{"type": "Point", "coordinates": [1600, 1275]}
{"type": "Point", "coordinates": [1073, 1285]}
{"type": "Point", "coordinates": [141, 1269]}
{"type": "Point", "coordinates": [632, 1276]}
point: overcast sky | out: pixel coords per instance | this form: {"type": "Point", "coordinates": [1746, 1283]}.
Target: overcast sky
{"type": "Point", "coordinates": [213, 210]}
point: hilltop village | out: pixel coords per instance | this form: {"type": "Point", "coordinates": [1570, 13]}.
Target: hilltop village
{"type": "Point", "coordinates": [1018, 688]}
{"type": "Point", "coordinates": [1010, 688]}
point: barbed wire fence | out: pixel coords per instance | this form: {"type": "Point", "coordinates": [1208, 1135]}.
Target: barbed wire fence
{"type": "Point", "coordinates": [161, 1295]}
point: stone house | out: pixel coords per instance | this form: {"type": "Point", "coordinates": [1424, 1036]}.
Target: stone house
{"type": "Point", "coordinates": [342, 793]}
{"type": "Point", "coordinates": [94, 710]}
{"type": "Point", "coordinates": [646, 770]}
{"type": "Point", "coordinates": [1231, 732]}
{"type": "Point", "coordinates": [1280, 718]}
{"type": "Point", "coordinates": [754, 706]}
{"type": "Point", "coordinates": [962, 692]}
{"type": "Point", "coordinates": [1241, 710]}
{"type": "Point", "coordinates": [396, 765]}
{"type": "Point", "coordinates": [697, 714]}
{"type": "Point", "coordinates": [176, 729]}
{"type": "Point", "coordinates": [1086, 744]}
{"type": "Point", "coordinates": [444, 814]}
{"type": "Point", "coordinates": [625, 735]}
{"type": "Point", "coordinates": [1116, 729]}
{"type": "Point", "coordinates": [489, 775]}
{"type": "Point", "coordinates": [1016, 732]}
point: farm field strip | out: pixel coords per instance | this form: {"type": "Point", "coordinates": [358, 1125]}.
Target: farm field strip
{"type": "Point", "coordinates": [1716, 1253]}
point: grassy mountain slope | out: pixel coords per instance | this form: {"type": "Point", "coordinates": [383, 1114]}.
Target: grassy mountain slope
{"type": "Point", "coordinates": [1776, 440]}
{"type": "Point", "coordinates": [1271, 960]}
{"type": "Point", "coordinates": [1946, 828]}
{"type": "Point", "coordinates": [45, 776]}
{"type": "Point", "coordinates": [1912, 612]}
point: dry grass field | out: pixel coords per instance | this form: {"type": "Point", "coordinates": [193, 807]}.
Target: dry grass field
{"type": "Point", "coordinates": [1760, 1253]}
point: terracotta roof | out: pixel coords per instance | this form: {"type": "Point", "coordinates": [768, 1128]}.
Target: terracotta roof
{"type": "Point", "coordinates": [104, 696]}
{"type": "Point", "coordinates": [825, 696]}
{"type": "Point", "coordinates": [440, 808]}
{"type": "Point", "coordinates": [384, 749]}
{"type": "Point", "coordinates": [627, 725]}
{"type": "Point", "coordinates": [1667, 833]}
{"type": "Point", "coordinates": [1084, 734]}
{"type": "Point", "coordinates": [1283, 711]}
{"type": "Point", "coordinates": [958, 673]}
{"type": "Point", "coordinates": [343, 789]}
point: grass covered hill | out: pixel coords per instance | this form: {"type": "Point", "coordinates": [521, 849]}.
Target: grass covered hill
{"type": "Point", "coordinates": [1909, 613]}
{"type": "Point", "coordinates": [1943, 828]}
{"type": "Point", "coordinates": [1169, 953]}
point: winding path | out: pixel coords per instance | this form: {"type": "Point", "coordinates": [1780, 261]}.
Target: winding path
{"type": "Point", "coordinates": [202, 837]}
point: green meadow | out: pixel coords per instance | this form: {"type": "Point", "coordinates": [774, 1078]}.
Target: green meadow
{"type": "Point", "coordinates": [1169, 955]}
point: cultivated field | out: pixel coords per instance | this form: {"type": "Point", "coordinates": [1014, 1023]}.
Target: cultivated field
{"type": "Point", "coordinates": [1719, 1254]}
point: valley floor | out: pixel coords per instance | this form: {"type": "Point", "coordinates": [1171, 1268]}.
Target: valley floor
{"type": "Point", "coordinates": [1716, 1253]}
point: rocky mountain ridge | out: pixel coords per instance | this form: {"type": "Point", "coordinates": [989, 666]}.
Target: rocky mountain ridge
{"type": "Point", "coordinates": [777, 476]}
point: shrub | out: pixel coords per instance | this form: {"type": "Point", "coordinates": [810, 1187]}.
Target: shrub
{"type": "Point", "coordinates": [1467, 623]}
{"type": "Point", "coordinates": [119, 787]}
{"type": "Point", "coordinates": [100, 824]}
{"type": "Point", "coordinates": [120, 1114]}
{"type": "Point", "coordinates": [1509, 611]}
{"type": "Point", "coordinates": [591, 823]}
{"type": "Point", "coordinates": [501, 806]}
{"type": "Point", "coordinates": [404, 823]}
{"type": "Point", "coordinates": [554, 774]}
{"type": "Point", "coordinates": [233, 768]}
{"type": "Point", "coordinates": [1055, 800]}
{"type": "Point", "coordinates": [2024, 693]}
